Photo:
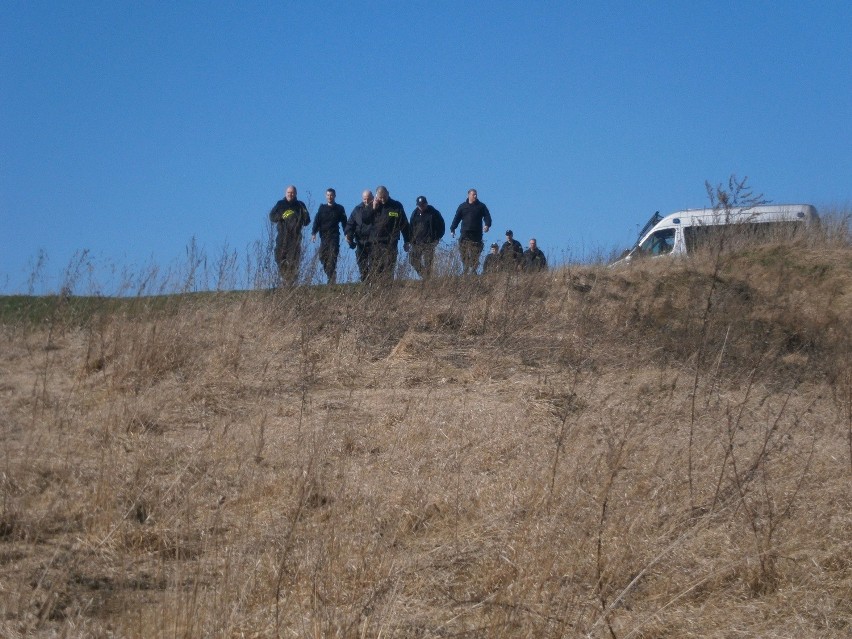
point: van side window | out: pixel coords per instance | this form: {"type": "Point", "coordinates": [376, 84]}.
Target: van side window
{"type": "Point", "coordinates": [659, 243]}
{"type": "Point", "coordinates": [701, 236]}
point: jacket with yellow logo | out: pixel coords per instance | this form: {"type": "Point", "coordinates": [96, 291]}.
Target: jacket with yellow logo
{"type": "Point", "coordinates": [289, 218]}
{"type": "Point", "coordinates": [383, 225]}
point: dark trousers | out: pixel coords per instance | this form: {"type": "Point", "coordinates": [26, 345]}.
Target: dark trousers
{"type": "Point", "coordinates": [421, 257]}
{"type": "Point", "coordinates": [383, 262]}
{"type": "Point", "coordinates": [362, 257]}
{"type": "Point", "coordinates": [470, 251]}
{"type": "Point", "coordinates": [376, 261]}
{"type": "Point", "coordinates": [288, 257]}
{"type": "Point", "coordinates": [328, 252]}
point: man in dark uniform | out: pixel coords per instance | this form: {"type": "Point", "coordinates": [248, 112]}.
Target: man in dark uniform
{"type": "Point", "coordinates": [374, 227]}
{"type": "Point", "coordinates": [511, 253]}
{"type": "Point", "coordinates": [328, 221]}
{"type": "Point", "coordinates": [389, 222]}
{"type": "Point", "coordinates": [290, 216]}
{"type": "Point", "coordinates": [493, 262]}
{"type": "Point", "coordinates": [427, 229]}
{"type": "Point", "coordinates": [357, 232]}
{"type": "Point", "coordinates": [534, 259]}
{"type": "Point", "coordinates": [475, 220]}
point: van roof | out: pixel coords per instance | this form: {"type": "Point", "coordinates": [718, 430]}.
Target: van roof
{"type": "Point", "coordinates": [765, 212]}
{"type": "Point", "coordinates": [750, 210]}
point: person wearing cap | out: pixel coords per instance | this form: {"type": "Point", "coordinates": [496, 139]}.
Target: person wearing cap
{"type": "Point", "coordinates": [328, 221]}
{"type": "Point", "coordinates": [534, 259]}
{"type": "Point", "coordinates": [357, 232]}
{"type": "Point", "coordinates": [475, 219]}
{"type": "Point", "coordinates": [427, 229]}
{"type": "Point", "coordinates": [511, 253]}
{"type": "Point", "coordinates": [290, 216]}
{"type": "Point", "coordinates": [492, 262]}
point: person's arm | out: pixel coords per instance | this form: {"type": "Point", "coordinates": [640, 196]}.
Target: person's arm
{"type": "Point", "coordinates": [306, 217]}
{"type": "Point", "coordinates": [487, 217]}
{"type": "Point", "coordinates": [341, 218]}
{"type": "Point", "coordinates": [456, 220]}
{"type": "Point", "coordinates": [405, 228]}
{"type": "Point", "coordinates": [315, 227]}
{"type": "Point", "coordinates": [349, 231]}
{"type": "Point", "coordinates": [440, 227]}
{"type": "Point", "coordinates": [275, 214]}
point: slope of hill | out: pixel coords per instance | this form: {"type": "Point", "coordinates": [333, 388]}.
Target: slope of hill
{"type": "Point", "coordinates": [658, 451]}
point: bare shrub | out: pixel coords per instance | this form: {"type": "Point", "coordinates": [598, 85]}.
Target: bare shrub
{"type": "Point", "coordinates": [659, 451]}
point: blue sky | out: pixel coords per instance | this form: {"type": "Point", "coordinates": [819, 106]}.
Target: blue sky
{"type": "Point", "coordinates": [128, 128]}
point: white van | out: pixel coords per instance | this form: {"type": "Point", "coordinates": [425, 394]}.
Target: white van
{"type": "Point", "coordinates": [683, 232]}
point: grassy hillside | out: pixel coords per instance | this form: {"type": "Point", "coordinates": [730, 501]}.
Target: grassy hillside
{"type": "Point", "coordinates": [656, 451]}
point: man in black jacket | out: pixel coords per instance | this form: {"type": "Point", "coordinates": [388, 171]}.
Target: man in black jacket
{"type": "Point", "coordinates": [534, 259]}
{"type": "Point", "coordinates": [511, 253]}
{"type": "Point", "coordinates": [376, 229]}
{"type": "Point", "coordinates": [427, 229]}
{"type": "Point", "coordinates": [475, 220]}
{"type": "Point", "coordinates": [389, 222]}
{"type": "Point", "coordinates": [493, 262]}
{"type": "Point", "coordinates": [289, 216]}
{"type": "Point", "coordinates": [357, 232]}
{"type": "Point", "coordinates": [328, 221]}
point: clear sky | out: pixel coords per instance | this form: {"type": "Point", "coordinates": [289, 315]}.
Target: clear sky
{"type": "Point", "coordinates": [128, 128]}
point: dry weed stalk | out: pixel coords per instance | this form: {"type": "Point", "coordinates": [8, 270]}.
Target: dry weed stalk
{"type": "Point", "coordinates": [496, 456]}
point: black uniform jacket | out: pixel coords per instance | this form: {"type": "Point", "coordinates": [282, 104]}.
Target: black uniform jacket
{"type": "Point", "coordinates": [427, 226]}
{"type": "Point", "coordinates": [512, 249]}
{"type": "Point", "coordinates": [289, 218]}
{"type": "Point", "coordinates": [328, 221]}
{"type": "Point", "coordinates": [534, 260]}
{"type": "Point", "coordinates": [383, 225]}
{"type": "Point", "coordinates": [471, 217]}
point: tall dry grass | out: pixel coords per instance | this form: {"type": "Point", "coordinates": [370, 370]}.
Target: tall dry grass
{"type": "Point", "coordinates": [653, 452]}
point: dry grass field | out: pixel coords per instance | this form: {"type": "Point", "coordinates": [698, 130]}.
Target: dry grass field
{"type": "Point", "coordinates": [658, 451]}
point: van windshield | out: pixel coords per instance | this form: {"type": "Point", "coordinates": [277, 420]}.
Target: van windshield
{"type": "Point", "coordinates": [656, 217]}
{"type": "Point", "coordinates": [659, 243]}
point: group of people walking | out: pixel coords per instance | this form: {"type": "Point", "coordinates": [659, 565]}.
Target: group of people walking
{"type": "Point", "coordinates": [374, 229]}
{"type": "Point", "coordinates": [512, 256]}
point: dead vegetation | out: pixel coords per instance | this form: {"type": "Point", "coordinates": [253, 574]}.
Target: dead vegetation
{"type": "Point", "coordinates": [659, 451]}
